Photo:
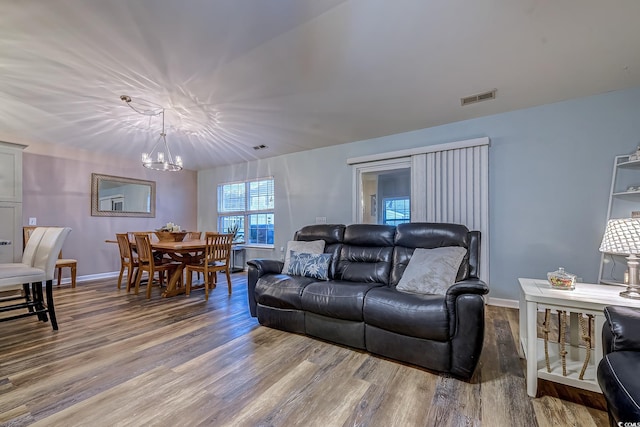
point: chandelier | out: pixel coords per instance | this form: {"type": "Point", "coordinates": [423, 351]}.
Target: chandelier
{"type": "Point", "coordinates": [160, 157]}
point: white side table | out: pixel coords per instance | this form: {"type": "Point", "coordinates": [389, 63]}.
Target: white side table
{"type": "Point", "coordinates": [536, 295]}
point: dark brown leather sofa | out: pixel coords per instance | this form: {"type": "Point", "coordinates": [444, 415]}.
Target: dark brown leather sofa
{"type": "Point", "coordinates": [618, 369]}
{"type": "Point", "coordinates": [359, 305]}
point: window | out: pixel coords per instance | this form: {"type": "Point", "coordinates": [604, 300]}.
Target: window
{"type": "Point", "coordinates": [396, 211]}
{"type": "Point", "coordinates": [250, 206]}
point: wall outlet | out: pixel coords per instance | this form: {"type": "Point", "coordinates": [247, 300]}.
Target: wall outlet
{"type": "Point", "coordinates": [32, 221]}
{"type": "Point", "coordinates": [321, 220]}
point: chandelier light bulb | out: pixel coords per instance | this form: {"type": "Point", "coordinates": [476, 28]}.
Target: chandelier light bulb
{"type": "Point", "coordinates": [160, 157]}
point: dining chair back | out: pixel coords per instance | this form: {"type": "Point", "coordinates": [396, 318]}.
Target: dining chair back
{"type": "Point", "coordinates": [143, 247]}
{"type": "Point", "coordinates": [194, 235]}
{"type": "Point", "coordinates": [50, 246]}
{"type": "Point", "coordinates": [146, 262]}
{"type": "Point", "coordinates": [31, 242]}
{"type": "Point", "coordinates": [216, 258]}
{"type": "Point", "coordinates": [127, 259]}
{"type": "Point", "coordinates": [61, 262]}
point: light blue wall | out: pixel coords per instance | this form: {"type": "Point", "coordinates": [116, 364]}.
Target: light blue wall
{"type": "Point", "coordinates": [550, 174]}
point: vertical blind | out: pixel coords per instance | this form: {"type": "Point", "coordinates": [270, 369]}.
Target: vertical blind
{"type": "Point", "coordinates": [453, 186]}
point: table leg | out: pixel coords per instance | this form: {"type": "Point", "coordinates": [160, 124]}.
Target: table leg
{"type": "Point", "coordinates": [532, 344]}
{"type": "Point", "coordinates": [174, 287]}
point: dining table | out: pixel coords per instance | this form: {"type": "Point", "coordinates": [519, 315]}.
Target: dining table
{"type": "Point", "coordinates": [188, 251]}
{"type": "Point", "coordinates": [184, 252]}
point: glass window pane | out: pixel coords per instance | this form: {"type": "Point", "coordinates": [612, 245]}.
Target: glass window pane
{"type": "Point", "coordinates": [396, 211]}
{"type": "Point", "coordinates": [231, 197]}
{"type": "Point", "coordinates": [226, 223]}
{"type": "Point", "coordinates": [261, 195]}
{"type": "Point", "coordinates": [261, 229]}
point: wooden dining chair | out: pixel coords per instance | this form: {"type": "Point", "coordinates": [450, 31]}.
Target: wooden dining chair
{"type": "Point", "coordinates": [146, 262]}
{"type": "Point", "coordinates": [194, 235]}
{"type": "Point", "coordinates": [128, 259]}
{"type": "Point", "coordinates": [61, 263]}
{"type": "Point", "coordinates": [216, 258]}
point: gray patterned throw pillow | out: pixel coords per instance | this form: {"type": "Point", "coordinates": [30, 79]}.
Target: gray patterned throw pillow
{"type": "Point", "coordinates": [309, 265]}
{"type": "Point", "coordinates": [312, 247]}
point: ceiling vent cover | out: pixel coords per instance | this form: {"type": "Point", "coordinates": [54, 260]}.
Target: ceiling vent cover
{"type": "Point", "coordinates": [486, 96]}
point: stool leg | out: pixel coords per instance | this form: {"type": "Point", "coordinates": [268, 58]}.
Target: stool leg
{"type": "Point", "coordinates": [50, 307]}
{"type": "Point", "coordinates": [73, 276]}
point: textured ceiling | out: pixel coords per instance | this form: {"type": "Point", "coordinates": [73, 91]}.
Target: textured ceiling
{"type": "Point", "coordinates": [293, 74]}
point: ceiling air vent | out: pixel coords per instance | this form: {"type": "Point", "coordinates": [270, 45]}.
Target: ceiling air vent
{"type": "Point", "coordinates": [260, 147]}
{"type": "Point", "coordinates": [479, 97]}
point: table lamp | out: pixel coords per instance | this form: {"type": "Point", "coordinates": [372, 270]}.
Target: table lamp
{"type": "Point", "coordinates": [622, 237]}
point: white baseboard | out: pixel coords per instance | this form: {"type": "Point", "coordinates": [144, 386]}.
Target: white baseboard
{"type": "Point", "coordinates": [89, 277]}
{"type": "Point", "coordinates": [501, 302]}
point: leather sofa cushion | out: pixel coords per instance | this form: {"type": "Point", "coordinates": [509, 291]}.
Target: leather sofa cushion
{"type": "Point", "coordinates": [420, 316]}
{"type": "Point", "coordinates": [369, 235]}
{"type": "Point", "coordinates": [410, 236]}
{"type": "Point", "coordinates": [366, 254]}
{"type": "Point", "coordinates": [624, 324]}
{"type": "Point", "coordinates": [336, 299]}
{"type": "Point", "coordinates": [281, 290]}
{"type": "Point", "coordinates": [330, 233]}
{"type": "Point", "coordinates": [618, 379]}
{"type": "Point", "coordinates": [365, 264]}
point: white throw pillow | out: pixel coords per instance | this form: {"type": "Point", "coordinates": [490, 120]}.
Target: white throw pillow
{"type": "Point", "coordinates": [313, 247]}
{"type": "Point", "coordinates": [431, 271]}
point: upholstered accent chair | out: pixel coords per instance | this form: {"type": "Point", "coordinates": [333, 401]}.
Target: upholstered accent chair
{"type": "Point", "coordinates": [37, 266]}
{"type": "Point", "coordinates": [61, 262]}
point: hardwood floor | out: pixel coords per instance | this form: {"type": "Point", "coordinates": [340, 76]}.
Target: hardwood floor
{"type": "Point", "coordinates": [122, 360]}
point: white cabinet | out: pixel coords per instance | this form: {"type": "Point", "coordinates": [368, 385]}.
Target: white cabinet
{"type": "Point", "coordinates": [10, 232]}
{"type": "Point", "coordinates": [624, 202]}
{"type": "Point", "coordinates": [10, 202]}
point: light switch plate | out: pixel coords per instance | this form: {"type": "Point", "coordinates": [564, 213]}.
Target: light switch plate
{"type": "Point", "coordinates": [321, 220]}
{"type": "Point", "coordinates": [32, 221]}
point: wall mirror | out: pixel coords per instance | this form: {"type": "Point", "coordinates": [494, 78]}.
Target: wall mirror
{"type": "Point", "coordinates": [118, 196]}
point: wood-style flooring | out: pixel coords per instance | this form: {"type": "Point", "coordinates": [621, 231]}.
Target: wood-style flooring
{"type": "Point", "coordinates": [122, 360]}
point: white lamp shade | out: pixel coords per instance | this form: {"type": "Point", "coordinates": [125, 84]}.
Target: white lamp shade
{"type": "Point", "coordinates": [622, 236]}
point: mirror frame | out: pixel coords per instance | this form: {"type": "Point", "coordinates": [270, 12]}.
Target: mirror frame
{"type": "Point", "coordinates": [95, 203]}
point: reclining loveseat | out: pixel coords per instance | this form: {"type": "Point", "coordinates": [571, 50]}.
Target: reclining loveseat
{"type": "Point", "coordinates": [356, 303]}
